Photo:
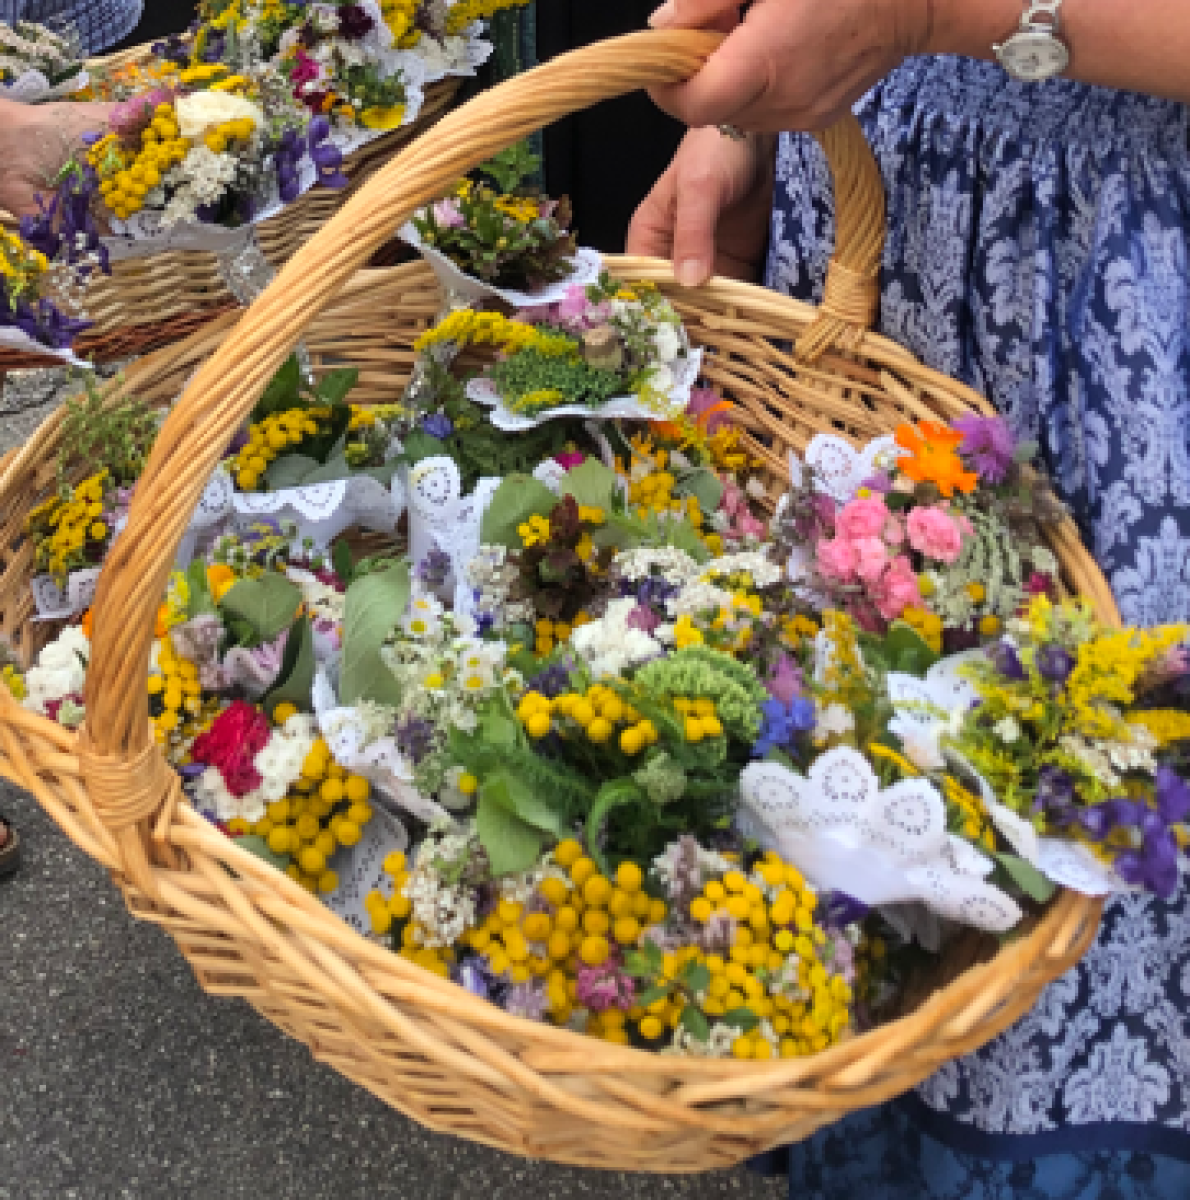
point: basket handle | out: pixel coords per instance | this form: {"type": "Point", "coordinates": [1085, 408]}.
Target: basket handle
{"type": "Point", "coordinates": [127, 778]}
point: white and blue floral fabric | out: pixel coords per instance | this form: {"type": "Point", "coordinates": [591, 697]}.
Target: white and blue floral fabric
{"type": "Point", "coordinates": [98, 23]}
{"type": "Point", "coordinates": [1039, 249]}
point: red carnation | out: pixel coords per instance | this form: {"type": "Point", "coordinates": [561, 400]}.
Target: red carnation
{"type": "Point", "coordinates": [236, 736]}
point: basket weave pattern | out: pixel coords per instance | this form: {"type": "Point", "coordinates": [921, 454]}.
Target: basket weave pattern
{"type": "Point", "coordinates": [451, 1061]}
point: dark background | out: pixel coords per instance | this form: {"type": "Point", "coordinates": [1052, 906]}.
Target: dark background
{"type": "Point", "coordinates": [605, 159]}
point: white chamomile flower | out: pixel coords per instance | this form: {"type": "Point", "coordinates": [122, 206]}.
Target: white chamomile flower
{"type": "Point", "coordinates": [424, 617]}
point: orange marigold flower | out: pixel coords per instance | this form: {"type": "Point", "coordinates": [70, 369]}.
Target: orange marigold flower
{"type": "Point", "coordinates": [932, 457]}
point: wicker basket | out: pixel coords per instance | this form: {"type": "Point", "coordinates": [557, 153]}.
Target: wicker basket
{"type": "Point", "coordinates": [435, 1052]}
{"type": "Point", "coordinates": [149, 302]}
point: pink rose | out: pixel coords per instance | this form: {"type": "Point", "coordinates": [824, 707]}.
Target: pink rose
{"type": "Point", "coordinates": [935, 534]}
{"type": "Point", "coordinates": [837, 559]}
{"type": "Point", "coordinates": [863, 518]}
{"type": "Point", "coordinates": [896, 590]}
{"type": "Point", "coordinates": [873, 558]}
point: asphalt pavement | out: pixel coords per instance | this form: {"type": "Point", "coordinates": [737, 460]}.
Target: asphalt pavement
{"type": "Point", "coordinates": [120, 1078]}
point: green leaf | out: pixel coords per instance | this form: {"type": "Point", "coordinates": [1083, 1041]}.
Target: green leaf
{"type": "Point", "coordinates": [281, 392]}
{"type": "Point", "coordinates": [696, 976]}
{"type": "Point", "coordinates": [267, 605]}
{"type": "Point", "coordinates": [591, 484]}
{"type": "Point", "coordinates": [295, 679]}
{"type": "Point", "coordinates": [695, 1024]}
{"type": "Point", "coordinates": [615, 793]}
{"type": "Point", "coordinates": [374, 605]}
{"type": "Point", "coordinates": [343, 561]}
{"type": "Point", "coordinates": [653, 994]}
{"type": "Point", "coordinates": [418, 445]}
{"type": "Point", "coordinates": [333, 387]}
{"type": "Point", "coordinates": [513, 824]}
{"type": "Point", "coordinates": [743, 1019]}
{"type": "Point", "coordinates": [335, 467]}
{"type": "Point", "coordinates": [288, 471]}
{"type": "Point", "coordinates": [682, 536]}
{"type": "Point", "coordinates": [323, 445]}
{"type": "Point", "coordinates": [517, 499]}
{"type": "Point", "coordinates": [1027, 877]}
{"type": "Point", "coordinates": [637, 965]}
{"type": "Point", "coordinates": [200, 602]}
{"type": "Point", "coordinates": [905, 650]}
{"type": "Point", "coordinates": [705, 486]}
{"type": "Point", "coordinates": [255, 844]}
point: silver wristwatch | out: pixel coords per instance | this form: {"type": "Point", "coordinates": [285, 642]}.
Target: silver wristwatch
{"type": "Point", "coordinates": [1035, 52]}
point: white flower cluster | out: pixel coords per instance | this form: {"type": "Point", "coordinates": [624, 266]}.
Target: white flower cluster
{"type": "Point", "coordinates": [1109, 761]}
{"type": "Point", "coordinates": [61, 670]}
{"type": "Point", "coordinates": [755, 563]}
{"type": "Point", "coordinates": [700, 597]}
{"type": "Point", "coordinates": [710, 862]}
{"type": "Point", "coordinates": [322, 600]}
{"type": "Point", "coordinates": [667, 563]}
{"type": "Point", "coordinates": [201, 178]}
{"type": "Point", "coordinates": [610, 646]}
{"type": "Point", "coordinates": [279, 762]}
{"type": "Point", "coordinates": [441, 909]}
{"type": "Point", "coordinates": [493, 576]}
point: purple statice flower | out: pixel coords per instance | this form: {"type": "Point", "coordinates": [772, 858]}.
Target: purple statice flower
{"type": "Point", "coordinates": [1006, 660]}
{"type": "Point", "coordinates": [782, 723]}
{"type": "Point", "coordinates": [434, 568]}
{"type": "Point", "coordinates": [474, 976]}
{"type": "Point", "coordinates": [988, 445]}
{"type": "Point", "coordinates": [1055, 796]}
{"type": "Point", "coordinates": [784, 682]}
{"type": "Point", "coordinates": [605, 986]}
{"type": "Point", "coordinates": [1054, 663]}
{"type": "Point", "coordinates": [551, 682]}
{"type": "Point", "coordinates": [1173, 796]}
{"type": "Point", "coordinates": [415, 737]}
{"type": "Point", "coordinates": [437, 425]}
{"type": "Point", "coordinates": [643, 618]}
{"type": "Point", "coordinates": [878, 483]}
{"type": "Point", "coordinates": [1153, 865]}
{"type": "Point", "coordinates": [842, 910]}
{"type": "Point", "coordinates": [527, 1000]}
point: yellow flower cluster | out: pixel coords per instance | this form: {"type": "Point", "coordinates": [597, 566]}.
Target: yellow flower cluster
{"type": "Point", "coordinates": [466, 327]}
{"type": "Point", "coordinates": [773, 967]}
{"type": "Point", "coordinates": [327, 808]}
{"type": "Point", "coordinates": [973, 816]}
{"type": "Point", "coordinates": [400, 16]}
{"type": "Point", "coordinates": [519, 208]}
{"type": "Point", "coordinates": [927, 625]}
{"type": "Point", "coordinates": [64, 530]}
{"type": "Point", "coordinates": [548, 634]}
{"type": "Point", "coordinates": [798, 629]}
{"type": "Point", "coordinates": [1167, 725]}
{"type": "Point", "coordinates": [845, 681]}
{"type": "Point", "coordinates": [271, 437]}
{"type": "Point", "coordinates": [467, 12]}
{"type": "Point", "coordinates": [595, 714]}
{"type": "Point", "coordinates": [125, 176]}
{"type": "Point", "coordinates": [13, 681]}
{"type": "Point", "coordinates": [175, 685]}
{"type": "Point", "coordinates": [20, 265]}
{"type": "Point", "coordinates": [652, 494]}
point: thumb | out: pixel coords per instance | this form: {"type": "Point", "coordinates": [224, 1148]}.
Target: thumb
{"type": "Point", "coordinates": [723, 15]}
{"type": "Point", "coordinates": [700, 199]}
{"type": "Point", "coordinates": [650, 231]}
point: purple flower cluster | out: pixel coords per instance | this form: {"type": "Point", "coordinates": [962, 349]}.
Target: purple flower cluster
{"type": "Point", "coordinates": [437, 425]}
{"type": "Point", "coordinates": [988, 445]}
{"type": "Point", "coordinates": [782, 723]}
{"type": "Point", "coordinates": [415, 738]}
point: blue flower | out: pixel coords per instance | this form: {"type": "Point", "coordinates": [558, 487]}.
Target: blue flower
{"type": "Point", "coordinates": [782, 723]}
{"type": "Point", "coordinates": [437, 425]}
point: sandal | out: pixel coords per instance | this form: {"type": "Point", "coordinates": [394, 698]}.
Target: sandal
{"type": "Point", "coordinates": [10, 851]}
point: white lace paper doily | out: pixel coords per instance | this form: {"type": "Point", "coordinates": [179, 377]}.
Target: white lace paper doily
{"type": "Point", "coordinates": [322, 511]}
{"type": "Point", "coordinates": [838, 467]}
{"type": "Point", "coordinates": [587, 265]}
{"type": "Point", "coordinates": [361, 868]}
{"type": "Point", "coordinates": [33, 87]}
{"type": "Point", "coordinates": [928, 711]}
{"type": "Point", "coordinates": [685, 370]}
{"type": "Point", "coordinates": [442, 518]}
{"type": "Point", "coordinates": [380, 761]}
{"type": "Point", "coordinates": [881, 845]}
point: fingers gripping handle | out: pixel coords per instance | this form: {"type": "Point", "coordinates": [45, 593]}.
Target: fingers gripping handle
{"type": "Point", "coordinates": [222, 393]}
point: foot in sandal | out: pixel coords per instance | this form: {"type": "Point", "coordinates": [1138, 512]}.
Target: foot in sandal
{"type": "Point", "coordinates": [10, 848]}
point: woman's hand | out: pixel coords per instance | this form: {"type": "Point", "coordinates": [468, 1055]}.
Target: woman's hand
{"type": "Point", "coordinates": [709, 212]}
{"type": "Point", "coordinates": [789, 65]}
{"type": "Point", "coordinates": [35, 141]}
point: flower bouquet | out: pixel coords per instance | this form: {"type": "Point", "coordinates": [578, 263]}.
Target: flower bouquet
{"type": "Point", "coordinates": [506, 241]}
{"type": "Point", "coordinates": [311, 459]}
{"type": "Point", "coordinates": [32, 320]}
{"type": "Point", "coordinates": [38, 64]}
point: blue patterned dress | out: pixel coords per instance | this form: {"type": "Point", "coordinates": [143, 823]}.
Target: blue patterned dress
{"type": "Point", "coordinates": [1039, 249]}
{"type": "Point", "coordinates": [98, 23]}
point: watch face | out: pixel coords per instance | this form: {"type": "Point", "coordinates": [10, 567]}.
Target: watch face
{"type": "Point", "coordinates": [1034, 56]}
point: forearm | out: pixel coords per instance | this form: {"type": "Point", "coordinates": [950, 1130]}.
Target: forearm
{"type": "Point", "coordinates": [1133, 45]}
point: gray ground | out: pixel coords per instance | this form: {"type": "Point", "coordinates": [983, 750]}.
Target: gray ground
{"type": "Point", "coordinates": [120, 1078]}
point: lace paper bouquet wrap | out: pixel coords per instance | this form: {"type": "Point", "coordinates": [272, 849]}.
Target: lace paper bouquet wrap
{"type": "Point", "coordinates": [638, 773]}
